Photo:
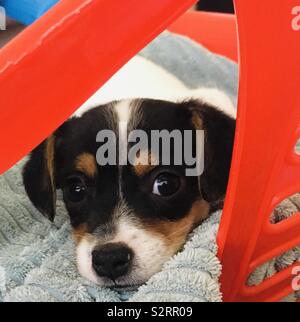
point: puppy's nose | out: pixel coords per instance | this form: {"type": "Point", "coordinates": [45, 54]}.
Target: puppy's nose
{"type": "Point", "coordinates": [112, 260]}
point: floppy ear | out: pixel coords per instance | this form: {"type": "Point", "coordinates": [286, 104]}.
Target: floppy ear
{"type": "Point", "coordinates": [219, 130]}
{"type": "Point", "coordinates": [39, 177]}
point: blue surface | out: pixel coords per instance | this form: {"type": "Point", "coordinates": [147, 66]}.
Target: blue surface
{"type": "Point", "coordinates": [26, 11]}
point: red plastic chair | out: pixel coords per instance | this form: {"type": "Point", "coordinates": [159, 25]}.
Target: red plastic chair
{"type": "Point", "coordinates": [265, 168]}
{"type": "Point", "coordinates": [36, 68]}
{"type": "Point", "coordinates": [215, 31]}
{"type": "Point", "coordinates": [64, 57]}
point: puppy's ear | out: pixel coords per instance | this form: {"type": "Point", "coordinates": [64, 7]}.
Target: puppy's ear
{"type": "Point", "coordinates": [39, 177]}
{"type": "Point", "coordinates": [219, 130]}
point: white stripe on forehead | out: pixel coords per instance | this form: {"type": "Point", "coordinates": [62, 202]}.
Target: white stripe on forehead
{"type": "Point", "coordinates": [123, 111]}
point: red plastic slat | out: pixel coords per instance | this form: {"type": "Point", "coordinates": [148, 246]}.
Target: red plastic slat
{"type": "Point", "coordinates": [263, 169]}
{"type": "Point", "coordinates": [215, 31]}
{"type": "Point", "coordinates": [57, 63]}
{"type": "Point", "coordinates": [273, 241]}
{"type": "Point", "coordinates": [272, 289]}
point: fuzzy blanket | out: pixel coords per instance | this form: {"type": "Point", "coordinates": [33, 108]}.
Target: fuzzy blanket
{"type": "Point", "coordinates": [37, 261]}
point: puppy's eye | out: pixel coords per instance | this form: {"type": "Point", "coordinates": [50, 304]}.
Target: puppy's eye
{"type": "Point", "coordinates": [75, 189]}
{"type": "Point", "coordinates": [166, 184]}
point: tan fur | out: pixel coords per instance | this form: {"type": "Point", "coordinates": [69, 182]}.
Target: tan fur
{"type": "Point", "coordinates": [144, 163]}
{"type": "Point", "coordinates": [79, 233]}
{"type": "Point", "coordinates": [197, 121]}
{"type": "Point", "coordinates": [174, 233]}
{"type": "Point", "coordinates": [86, 163]}
{"type": "Point", "coordinates": [49, 156]}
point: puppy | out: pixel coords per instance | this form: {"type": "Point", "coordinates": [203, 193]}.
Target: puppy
{"type": "Point", "coordinates": [129, 219]}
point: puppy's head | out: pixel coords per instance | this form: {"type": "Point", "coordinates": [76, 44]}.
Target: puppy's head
{"type": "Point", "coordinates": [130, 219]}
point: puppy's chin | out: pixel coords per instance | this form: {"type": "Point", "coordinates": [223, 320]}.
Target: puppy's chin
{"type": "Point", "coordinates": [131, 280]}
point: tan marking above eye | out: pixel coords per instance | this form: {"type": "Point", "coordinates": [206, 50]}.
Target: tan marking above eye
{"type": "Point", "coordinates": [197, 121]}
{"type": "Point", "coordinates": [144, 163]}
{"type": "Point", "coordinates": [86, 163]}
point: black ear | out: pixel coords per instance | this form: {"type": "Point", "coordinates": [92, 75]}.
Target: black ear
{"type": "Point", "coordinates": [39, 177]}
{"type": "Point", "coordinates": [219, 131]}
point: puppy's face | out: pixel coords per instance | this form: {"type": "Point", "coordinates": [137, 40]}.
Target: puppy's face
{"type": "Point", "coordinates": [128, 220]}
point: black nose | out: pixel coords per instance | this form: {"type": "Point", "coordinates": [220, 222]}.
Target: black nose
{"type": "Point", "coordinates": [112, 260]}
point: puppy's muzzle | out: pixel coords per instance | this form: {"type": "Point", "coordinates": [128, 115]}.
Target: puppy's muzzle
{"type": "Point", "coordinates": [112, 260]}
